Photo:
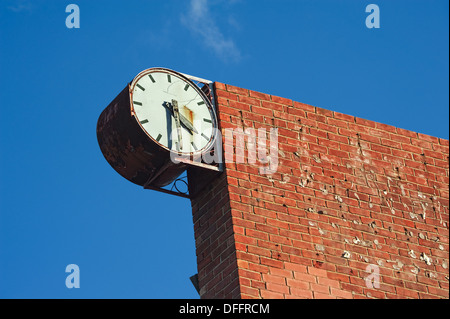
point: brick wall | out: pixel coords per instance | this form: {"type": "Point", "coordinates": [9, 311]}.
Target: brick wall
{"type": "Point", "coordinates": [348, 194]}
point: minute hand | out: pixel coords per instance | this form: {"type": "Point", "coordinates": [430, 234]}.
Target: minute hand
{"type": "Point", "coordinates": [176, 115]}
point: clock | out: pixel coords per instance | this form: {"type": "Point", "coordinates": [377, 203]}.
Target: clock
{"type": "Point", "coordinates": [173, 111]}
{"type": "Point", "coordinates": [160, 113]}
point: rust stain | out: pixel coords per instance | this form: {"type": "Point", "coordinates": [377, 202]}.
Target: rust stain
{"type": "Point", "coordinates": [190, 114]}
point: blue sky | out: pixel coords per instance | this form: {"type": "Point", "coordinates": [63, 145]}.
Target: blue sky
{"type": "Point", "coordinates": [60, 201]}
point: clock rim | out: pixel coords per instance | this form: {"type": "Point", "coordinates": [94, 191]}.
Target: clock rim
{"type": "Point", "coordinates": [211, 108]}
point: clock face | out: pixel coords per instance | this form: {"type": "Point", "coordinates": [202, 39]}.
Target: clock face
{"type": "Point", "coordinates": [173, 111]}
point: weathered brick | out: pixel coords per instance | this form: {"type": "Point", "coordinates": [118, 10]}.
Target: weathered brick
{"type": "Point", "coordinates": [262, 110]}
{"type": "Point", "coordinates": [259, 95]}
{"type": "Point", "coordinates": [249, 100]}
{"type": "Point", "coordinates": [348, 193]}
{"type": "Point", "coordinates": [341, 293]}
{"type": "Point", "coordinates": [237, 90]}
{"type": "Point", "coordinates": [281, 100]}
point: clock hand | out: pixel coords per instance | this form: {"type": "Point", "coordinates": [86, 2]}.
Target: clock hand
{"type": "Point", "coordinates": [176, 115]}
{"type": "Point", "coordinates": [184, 121]}
{"type": "Point", "coordinates": [187, 124]}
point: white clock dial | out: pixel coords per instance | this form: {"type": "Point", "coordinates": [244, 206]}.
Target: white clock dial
{"type": "Point", "coordinates": [173, 111]}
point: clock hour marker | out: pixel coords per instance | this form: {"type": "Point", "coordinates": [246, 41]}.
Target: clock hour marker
{"type": "Point", "coordinates": [169, 79]}
{"type": "Point", "coordinates": [139, 86]}
{"type": "Point", "coordinates": [143, 121]}
{"type": "Point", "coordinates": [151, 78]}
{"type": "Point", "coordinates": [137, 103]}
{"type": "Point", "coordinates": [186, 87]}
{"type": "Point", "coordinates": [200, 103]}
{"type": "Point", "coordinates": [206, 137]}
{"type": "Point", "coordinates": [207, 120]}
{"type": "Point", "coordinates": [159, 137]}
{"type": "Point", "coordinates": [193, 145]}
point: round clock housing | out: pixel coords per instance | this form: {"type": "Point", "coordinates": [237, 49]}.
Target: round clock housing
{"type": "Point", "coordinates": [160, 112]}
{"type": "Point", "coordinates": [173, 111]}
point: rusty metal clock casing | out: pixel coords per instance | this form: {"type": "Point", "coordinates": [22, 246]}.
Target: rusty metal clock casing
{"type": "Point", "coordinates": [129, 150]}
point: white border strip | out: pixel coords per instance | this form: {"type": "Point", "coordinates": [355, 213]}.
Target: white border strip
{"type": "Point", "coordinates": [196, 78]}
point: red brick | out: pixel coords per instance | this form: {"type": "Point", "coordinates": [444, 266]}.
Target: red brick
{"type": "Point", "coordinates": [237, 90]}
{"type": "Point", "coordinates": [317, 272]}
{"type": "Point", "coordinates": [274, 279]}
{"type": "Point", "coordinates": [407, 293]}
{"type": "Point", "coordinates": [364, 122]}
{"type": "Point", "coordinates": [272, 262]}
{"type": "Point", "coordinates": [238, 106]}
{"type": "Point", "coordinates": [428, 138]}
{"type": "Point", "coordinates": [341, 154]}
{"type": "Point", "coordinates": [390, 143]}
{"type": "Point", "coordinates": [265, 294]}
{"type": "Point", "coordinates": [422, 144]}
{"type": "Point", "coordinates": [320, 288]}
{"type": "Point", "coordinates": [400, 138]}
{"type": "Point", "coordinates": [249, 274]}
{"type": "Point", "coordinates": [277, 288]}
{"type": "Point", "coordinates": [345, 117]}
{"type": "Point", "coordinates": [319, 295]}
{"type": "Point", "coordinates": [283, 235]}
{"type": "Point", "coordinates": [220, 86]}
{"type": "Point", "coordinates": [406, 133]}
{"type": "Point", "coordinates": [262, 110]}
{"type": "Point", "coordinates": [304, 277]}
{"type": "Point", "coordinates": [300, 293]}
{"type": "Point", "coordinates": [259, 95]}
{"type": "Point", "coordinates": [281, 100]}
{"type": "Point", "coordinates": [273, 106]}
{"type": "Point", "coordinates": [249, 100]}
{"type": "Point", "coordinates": [282, 273]}
{"type": "Point", "coordinates": [306, 107]}
{"type": "Point", "coordinates": [439, 292]}
{"type": "Point", "coordinates": [328, 282]}
{"type": "Point", "coordinates": [324, 112]}
{"type": "Point", "coordinates": [341, 293]}
{"type": "Point", "coordinates": [316, 117]}
{"type": "Point", "coordinates": [293, 283]}
{"type": "Point", "coordinates": [338, 123]}
{"type": "Point", "coordinates": [295, 267]}
{"type": "Point", "coordinates": [252, 292]}
{"type": "Point", "coordinates": [385, 127]}
{"type": "Point", "coordinates": [444, 142]}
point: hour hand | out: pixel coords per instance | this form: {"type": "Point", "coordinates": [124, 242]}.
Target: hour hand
{"type": "Point", "coordinates": [184, 121]}
{"type": "Point", "coordinates": [187, 124]}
